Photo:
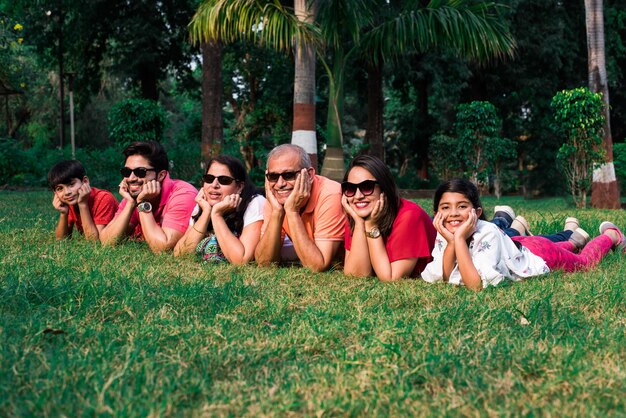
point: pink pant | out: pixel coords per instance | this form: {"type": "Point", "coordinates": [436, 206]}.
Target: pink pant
{"type": "Point", "coordinates": [559, 255]}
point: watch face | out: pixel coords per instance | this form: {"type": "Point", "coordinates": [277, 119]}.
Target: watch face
{"type": "Point", "coordinates": [144, 207]}
{"type": "Point", "coordinates": [373, 233]}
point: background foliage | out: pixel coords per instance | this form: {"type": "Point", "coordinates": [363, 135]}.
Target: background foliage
{"type": "Point", "coordinates": [120, 50]}
{"type": "Point", "coordinates": [579, 120]}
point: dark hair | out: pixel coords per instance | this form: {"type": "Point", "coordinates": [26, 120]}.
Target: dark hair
{"type": "Point", "coordinates": [234, 220]}
{"type": "Point", "coordinates": [64, 172]}
{"type": "Point", "coordinates": [462, 186]}
{"type": "Point", "coordinates": [151, 150]}
{"type": "Point", "coordinates": [387, 185]}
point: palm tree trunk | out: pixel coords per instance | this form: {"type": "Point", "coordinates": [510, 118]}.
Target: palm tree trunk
{"type": "Point", "coordinates": [212, 123]}
{"type": "Point", "coordinates": [303, 132]}
{"type": "Point", "coordinates": [333, 161]}
{"type": "Point", "coordinates": [604, 190]}
{"type": "Point", "coordinates": [375, 107]}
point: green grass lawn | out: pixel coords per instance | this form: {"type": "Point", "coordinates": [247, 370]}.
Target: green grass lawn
{"type": "Point", "coordinates": [86, 330]}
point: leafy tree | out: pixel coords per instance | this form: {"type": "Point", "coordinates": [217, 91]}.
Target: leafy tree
{"type": "Point", "coordinates": [550, 57]}
{"type": "Point", "coordinates": [443, 153]}
{"type": "Point", "coordinates": [476, 150]}
{"type": "Point", "coordinates": [500, 153]}
{"type": "Point", "coordinates": [476, 123]}
{"type": "Point", "coordinates": [257, 102]}
{"type": "Point", "coordinates": [464, 26]}
{"type": "Point", "coordinates": [136, 120]}
{"type": "Point", "coordinates": [579, 120]}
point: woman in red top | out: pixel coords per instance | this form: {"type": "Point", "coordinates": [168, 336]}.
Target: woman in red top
{"type": "Point", "coordinates": [387, 236]}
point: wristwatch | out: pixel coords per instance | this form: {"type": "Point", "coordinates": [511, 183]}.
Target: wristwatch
{"type": "Point", "coordinates": [373, 233]}
{"type": "Point", "coordinates": [144, 207]}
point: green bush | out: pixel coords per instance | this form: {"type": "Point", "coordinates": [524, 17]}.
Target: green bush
{"type": "Point", "coordinates": [443, 154]}
{"type": "Point", "coordinates": [476, 149]}
{"type": "Point", "coordinates": [26, 167]}
{"type": "Point", "coordinates": [136, 120]}
{"type": "Point", "coordinates": [476, 123]}
{"type": "Point", "coordinates": [579, 121]}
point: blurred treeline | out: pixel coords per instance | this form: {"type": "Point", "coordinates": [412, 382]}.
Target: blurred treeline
{"type": "Point", "coordinates": [116, 50]}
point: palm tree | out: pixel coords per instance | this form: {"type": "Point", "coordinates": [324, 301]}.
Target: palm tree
{"type": "Point", "coordinates": [271, 24]}
{"type": "Point", "coordinates": [347, 29]}
{"type": "Point", "coordinates": [604, 189]}
{"type": "Point", "coordinates": [303, 131]}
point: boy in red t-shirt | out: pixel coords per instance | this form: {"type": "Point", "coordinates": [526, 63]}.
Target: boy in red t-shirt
{"type": "Point", "coordinates": [88, 208]}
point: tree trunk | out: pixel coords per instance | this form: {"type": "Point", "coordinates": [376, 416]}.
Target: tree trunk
{"type": "Point", "coordinates": [212, 121]}
{"type": "Point", "coordinates": [604, 189]}
{"type": "Point", "coordinates": [375, 107]}
{"type": "Point", "coordinates": [333, 162]}
{"type": "Point", "coordinates": [303, 132]}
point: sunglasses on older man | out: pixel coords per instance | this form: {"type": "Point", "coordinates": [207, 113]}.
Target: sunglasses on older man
{"type": "Point", "coordinates": [140, 172]}
{"type": "Point", "coordinates": [286, 175]}
{"type": "Point", "coordinates": [223, 180]}
{"type": "Point", "coordinates": [366, 187]}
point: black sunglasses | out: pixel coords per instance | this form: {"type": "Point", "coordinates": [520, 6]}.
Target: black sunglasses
{"type": "Point", "coordinates": [366, 187]}
{"type": "Point", "coordinates": [139, 171]}
{"type": "Point", "coordinates": [287, 176]}
{"type": "Point", "coordinates": [223, 180]}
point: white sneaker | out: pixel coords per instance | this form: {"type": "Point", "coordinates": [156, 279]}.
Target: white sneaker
{"type": "Point", "coordinates": [504, 212]}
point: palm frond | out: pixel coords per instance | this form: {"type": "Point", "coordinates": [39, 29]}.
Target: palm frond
{"type": "Point", "coordinates": [264, 22]}
{"type": "Point", "coordinates": [474, 31]}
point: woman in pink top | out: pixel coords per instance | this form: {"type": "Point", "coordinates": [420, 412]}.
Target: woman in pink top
{"type": "Point", "coordinates": [387, 236]}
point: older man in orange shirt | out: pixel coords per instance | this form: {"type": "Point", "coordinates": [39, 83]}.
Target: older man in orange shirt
{"type": "Point", "coordinates": [303, 217]}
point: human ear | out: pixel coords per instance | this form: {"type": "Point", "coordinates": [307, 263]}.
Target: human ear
{"type": "Point", "coordinates": [479, 211]}
{"type": "Point", "coordinates": [161, 175]}
{"type": "Point", "coordinates": [86, 180]}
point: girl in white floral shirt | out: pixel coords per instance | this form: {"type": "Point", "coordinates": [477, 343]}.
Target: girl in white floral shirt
{"type": "Point", "coordinates": [476, 253]}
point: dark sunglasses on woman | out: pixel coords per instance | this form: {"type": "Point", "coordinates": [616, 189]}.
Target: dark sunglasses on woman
{"type": "Point", "coordinates": [366, 187]}
{"type": "Point", "coordinates": [140, 172]}
{"type": "Point", "coordinates": [223, 180]}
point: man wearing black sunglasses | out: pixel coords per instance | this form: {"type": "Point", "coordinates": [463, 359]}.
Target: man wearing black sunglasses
{"type": "Point", "coordinates": [154, 208]}
{"type": "Point", "coordinates": [303, 217]}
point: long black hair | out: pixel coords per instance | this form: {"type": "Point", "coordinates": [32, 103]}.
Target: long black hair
{"type": "Point", "coordinates": [387, 185]}
{"type": "Point", "coordinates": [462, 186]}
{"type": "Point", "coordinates": [234, 219]}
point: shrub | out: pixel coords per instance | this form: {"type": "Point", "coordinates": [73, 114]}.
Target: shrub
{"type": "Point", "coordinates": [579, 120]}
{"type": "Point", "coordinates": [499, 153]}
{"type": "Point", "coordinates": [136, 120]}
{"type": "Point", "coordinates": [443, 154]}
{"type": "Point", "coordinates": [476, 123]}
{"type": "Point", "coordinates": [476, 150]}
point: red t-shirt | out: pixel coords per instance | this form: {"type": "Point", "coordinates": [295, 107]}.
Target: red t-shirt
{"type": "Point", "coordinates": [412, 236]}
{"type": "Point", "coordinates": [102, 206]}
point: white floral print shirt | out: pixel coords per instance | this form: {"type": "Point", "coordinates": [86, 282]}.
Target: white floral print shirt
{"type": "Point", "coordinates": [495, 256]}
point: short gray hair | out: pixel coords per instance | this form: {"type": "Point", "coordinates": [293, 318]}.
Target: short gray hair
{"type": "Point", "coordinates": [305, 160]}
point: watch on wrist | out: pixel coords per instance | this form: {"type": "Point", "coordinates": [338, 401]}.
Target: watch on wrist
{"type": "Point", "coordinates": [144, 207]}
{"type": "Point", "coordinates": [373, 233]}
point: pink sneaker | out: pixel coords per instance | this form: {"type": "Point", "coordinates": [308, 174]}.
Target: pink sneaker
{"type": "Point", "coordinates": [620, 246]}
